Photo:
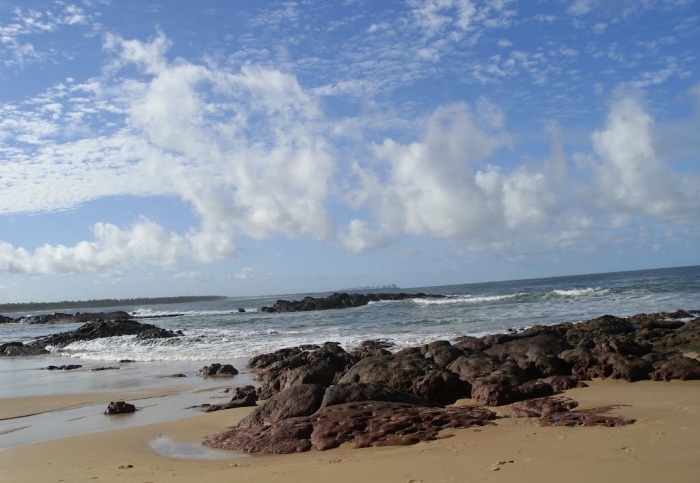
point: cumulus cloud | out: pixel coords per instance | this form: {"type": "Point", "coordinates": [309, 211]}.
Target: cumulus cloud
{"type": "Point", "coordinates": [630, 175]}
{"type": "Point", "coordinates": [246, 148]}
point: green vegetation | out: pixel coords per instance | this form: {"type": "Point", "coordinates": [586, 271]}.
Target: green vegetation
{"type": "Point", "coordinates": [95, 304]}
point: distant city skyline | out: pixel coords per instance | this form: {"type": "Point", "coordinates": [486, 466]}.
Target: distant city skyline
{"type": "Point", "coordinates": [250, 148]}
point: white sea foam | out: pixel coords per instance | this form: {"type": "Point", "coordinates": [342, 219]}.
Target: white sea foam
{"type": "Point", "coordinates": [150, 313]}
{"type": "Point", "coordinates": [581, 292]}
{"type": "Point", "coordinates": [466, 299]}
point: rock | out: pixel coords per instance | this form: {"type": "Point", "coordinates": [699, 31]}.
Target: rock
{"type": "Point", "coordinates": [604, 326]}
{"type": "Point", "coordinates": [411, 374]}
{"type": "Point", "coordinates": [6, 320]}
{"type": "Point", "coordinates": [584, 365]}
{"type": "Point", "coordinates": [265, 360]}
{"type": "Point", "coordinates": [562, 383]}
{"type": "Point", "coordinates": [246, 396]}
{"type": "Point", "coordinates": [301, 400]}
{"type": "Point", "coordinates": [339, 301]}
{"type": "Point", "coordinates": [120, 407]}
{"type": "Point", "coordinates": [217, 370]}
{"type": "Point", "coordinates": [19, 349]}
{"type": "Point", "coordinates": [241, 310]}
{"type": "Point", "coordinates": [628, 368]}
{"type": "Point", "coordinates": [585, 417]}
{"type": "Point", "coordinates": [540, 345]}
{"type": "Point", "coordinates": [443, 355]}
{"type": "Point", "coordinates": [323, 365]}
{"type": "Point", "coordinates": [686, 338]}
{"type": "Point", "coordinates": [469, 344]}
{"type": "Point", "coordinates": [360, 391]}
{"type": "Point", "coordinates": [371, 348]}
{"type": "Point", "coordinates": [472, 367]}
{"type": "Point", "coordinates": [535, 408]}
{"type": "Point", "coordinates": [68, 367]}
{"type": "Point", "coordinates": [371, 423]}
{"type": "Point", "coordinates": [100, 329]}
{"type": "Point", "coordinates": [61, 318]}
{"type": "Point", "coordinates": [683, 368]}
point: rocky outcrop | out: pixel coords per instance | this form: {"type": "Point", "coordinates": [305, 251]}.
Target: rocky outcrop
{"type": "Point", "coordinates": [683, 368]}
{"type": "Point", "coordinates": [370, 423]}
{"type": "Point", "coordinates": [61, 318]}
{"type": "Point", "coordinates": [6, 320]}
{"type": "Point", "coordinates": [360, 391]}
{"type": "Point", "coordinates": [92, 330]}
{"type": "Point", "coordinates": [339, 301]}
{"type": "Point", "coordinates": [412, 374]}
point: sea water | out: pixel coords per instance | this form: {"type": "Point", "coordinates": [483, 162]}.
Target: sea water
{"type": "Point", "coordinates": [218, 331]}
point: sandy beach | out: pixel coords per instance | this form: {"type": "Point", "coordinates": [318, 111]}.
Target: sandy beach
{"type": "Point", "coordinates": [662, 445]}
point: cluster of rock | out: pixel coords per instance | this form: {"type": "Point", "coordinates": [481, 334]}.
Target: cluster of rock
{"type": "Point", "coordinates": [92, 330]}
{"type": "Point", "coordinates": [311, 389]}
{"type": "Point", "coordinates": [61, 318]}
{"type": "Point", "coordinates": [340, 301]}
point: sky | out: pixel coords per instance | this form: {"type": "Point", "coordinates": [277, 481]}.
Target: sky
{"type": "Point", "coordinates": [249, 147]}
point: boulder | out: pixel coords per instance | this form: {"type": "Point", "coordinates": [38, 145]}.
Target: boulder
{"type": "Point", "coordinates": [540, 345]}
{"type": "Point", "coordinates": [100, 329]}
{"type": "Point", "coordinates": [412, 374]}
{"type": "Point", "coordinates": [604, 326]}
{"type": "Point", "coordinates": [628, 368]}
{"type": "Point", "coordinates": [20, 349]}
{"type": "Point", "coordinates": [562, 383]}
{"type": "Point", "coordinates": [217, 370]}
{"type": "Point", "coordinates": [120, 407]}
{"type": "Point", "coordinates": [443, 355]}
{"type": "Point", "coordinates": [301, 400]}
{"type": "Point", "coordinates": [683, 368]}
{"type": "Point", "coordinates": [585, 417]}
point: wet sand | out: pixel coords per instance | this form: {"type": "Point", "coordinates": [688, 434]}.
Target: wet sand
{"type": "Point", "coordinates": [662, 445]}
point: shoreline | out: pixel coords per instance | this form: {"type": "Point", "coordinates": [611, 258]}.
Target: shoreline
{"type": "Point", "coordinates": [660, 446]}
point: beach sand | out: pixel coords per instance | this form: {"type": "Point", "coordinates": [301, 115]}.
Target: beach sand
{"type": "Point", "coordinates": [662, 445]}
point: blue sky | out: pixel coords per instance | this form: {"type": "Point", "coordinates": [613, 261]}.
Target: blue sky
{"type": "Point", "coordinates": [252, 147]}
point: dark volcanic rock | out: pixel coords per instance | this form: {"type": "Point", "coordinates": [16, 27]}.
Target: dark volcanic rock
{"type": "Point", "coordinates": [472, 367]}
{"type": "Point", "coordinates": [371, 348]}
{"type": "Point", "coordinates": [6, 320]}
{"type": "Point", "coordinates": [69, 367]}
{"type": "Point", "coordinates": [60, 318]}
{"type": "Point", "coordinates": [360, 391]}
{"type": "Point", "coordinates": [339, 301]}
{"type": "Point", "coordinates": [686, 337]}
{"type": "Point", "coordinates": [365, 424]}
{"type": "Point", "coordinates": [322, 365]}
{"type": "Point", "coordinates": [120, 407]}
{"type": "Point", "coordinates": [301, 400]}
{"type": "Point", "coordinates": [562, 383]}
{"type": "Point", "coordinates": [585, 417]}
{"type": "Point", "coordinates": [246, 396]}
{"type": "Point", "coordinates": [443, 355]}
{"type": "Point", "coordinates": [535, 408]}
{"type": "Point", "coordinates": [412, 374]}
{"type": "Point", "coordinates": [628, 368]}
{"type": "Point", "coordinates": [538, 346]}
{"type": "Point", "coordinates": [683, 368]}
{"type": "Point", "coordinates": [99, 329]}
{"type": "Point", "coordinates": [217, 370]}
{"type": "Point", "coordinates": [20, 349]}
{"type": "Point", "coordinates": [605, 326]}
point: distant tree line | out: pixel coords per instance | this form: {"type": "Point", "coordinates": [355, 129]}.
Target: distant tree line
{"type": "Point", "coordinates": [101, 303]}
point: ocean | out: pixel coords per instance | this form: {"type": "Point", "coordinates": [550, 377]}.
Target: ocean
{"type": "Point", "coordinates": [218, 332]}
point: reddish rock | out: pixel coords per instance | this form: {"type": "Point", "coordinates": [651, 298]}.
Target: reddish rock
{"type": "Point", "coordinates": [535, 408]}
{"type": "Point", "coordinates": [683, 368]}
{"type": "Point", "coordinates": [586, 417]}
{"type": "Point", "coordinates": [246, 396]}
{"type": "Point", "coordinates": [365, 424]}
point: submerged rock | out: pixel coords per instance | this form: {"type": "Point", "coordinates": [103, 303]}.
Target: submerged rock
{"type": "Point", "coordinates": [120, 407]}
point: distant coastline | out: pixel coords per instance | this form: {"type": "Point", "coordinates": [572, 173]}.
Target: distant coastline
{"type": "Point", "coordinates": [371, 287]}
{"type": "Point", "coordinates": [100, 303]}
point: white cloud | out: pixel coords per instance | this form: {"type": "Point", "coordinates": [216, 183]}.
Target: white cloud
{"type": "Point", "coordinates": [630, 176]}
